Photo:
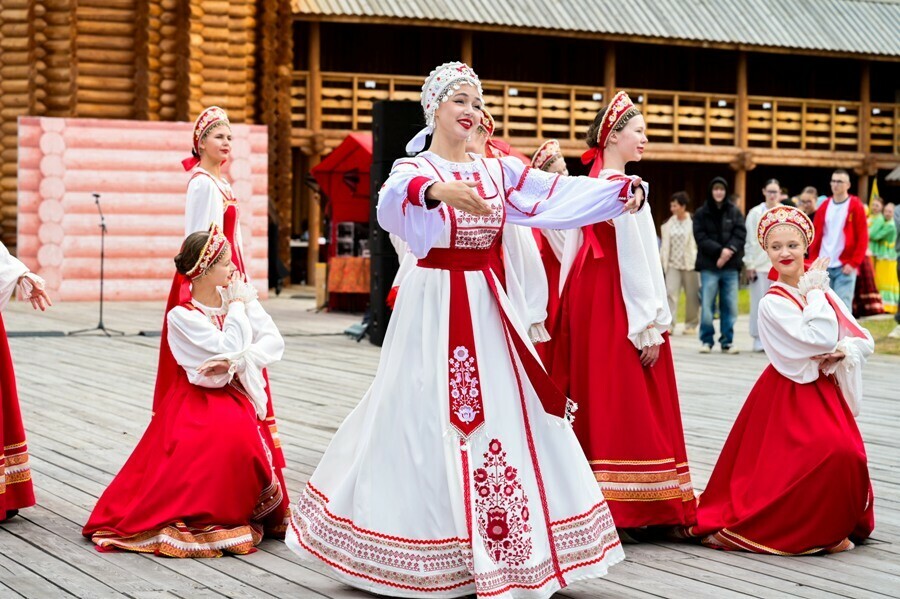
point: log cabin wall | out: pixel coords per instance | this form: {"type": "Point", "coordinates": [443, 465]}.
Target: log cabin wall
{"type": "Point", "coordinates": [156, 60]}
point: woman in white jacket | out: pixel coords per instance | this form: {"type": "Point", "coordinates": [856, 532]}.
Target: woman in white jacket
{"type": "Point", "coordinates": [678, 254]}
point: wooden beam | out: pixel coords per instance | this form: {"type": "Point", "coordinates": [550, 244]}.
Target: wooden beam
{"type": "Point", "coordinates": [609, 71]}
{"type": "Point", "coordinates": [314, 100]}
{"type": "Point", "coordinates": [865, 106]}
{"type": "Point", "coordinates": [612, 37]}
{"type": "Point", "coordinates": [740, 189]}
{"type": "Point", "coordinates": [466, 51]}
{"type": "Point", "coordinates": [743, 103]}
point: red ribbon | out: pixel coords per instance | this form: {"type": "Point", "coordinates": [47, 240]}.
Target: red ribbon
{"type": "Point", "coordinates": [190, 163]}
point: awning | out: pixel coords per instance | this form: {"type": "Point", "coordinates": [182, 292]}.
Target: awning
{"type": "Point", "coordinates": [344, 178]}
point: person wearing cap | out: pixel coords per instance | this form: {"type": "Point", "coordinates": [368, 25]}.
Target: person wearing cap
{"type": "Point", "coordinates": [452, 474]}
{"type": "Point", "coordinates": [612, 350]}
{"type": "Point", "coordinates": [792, 478]}
{"type": "Point", "coordinates": [201, 482]}
{"type": "Point", "coordinates": [720, 233]}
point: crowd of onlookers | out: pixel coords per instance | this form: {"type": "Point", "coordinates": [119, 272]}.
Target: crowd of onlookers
{"type": "Point", "coordinates": [704, 254]}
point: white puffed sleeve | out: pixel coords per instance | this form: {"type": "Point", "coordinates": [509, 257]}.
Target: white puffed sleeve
{"type": "Point", "coordinates": [544, 200]}
{"type": "Point", "coordinates": [249, 340]}
{"type": "Point", "coordinates": [195, 340]}
{"type": "Point", "coordinates": [856, 350]}
{"type": "Point", "coordinates": [643, 285]}
{"type": "Point", "coordinates": [526, 280]}
{"type": "Point", "coordinates": [11, 269]}
{"type": "Point", "coordinates": [205, 205]}
{"type": "Point", "coordinates": [791, 337]}
{"type": "Point", "coordinates": [403, 210]}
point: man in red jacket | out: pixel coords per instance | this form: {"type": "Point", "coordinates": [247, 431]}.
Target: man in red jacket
{"type": "Point", "coordinates": [842, 235]}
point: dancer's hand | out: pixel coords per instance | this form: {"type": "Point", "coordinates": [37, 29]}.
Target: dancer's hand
{"type": "Point", "coordinates": [214, 367]}
{"type": "Point", "coordinates": [460, 195]}
{"type": "Point", "coordinates": [816, 277]}
{"type": "Point", "coordinates": [32, 287]}
{"type": "Point", "coordinates": [649, 355]}
{"type": "Point", "coordinates": [240, 290]}
{"type": "Point", "coordinates": [826, 360]}
{"type": "Point", "coordinates": [637, 200]}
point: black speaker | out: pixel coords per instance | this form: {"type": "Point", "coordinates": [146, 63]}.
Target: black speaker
{"type": "Point", "coordinates": [394, 123]}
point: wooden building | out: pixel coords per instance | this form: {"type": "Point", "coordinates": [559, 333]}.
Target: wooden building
{"type": "Point", "coordinates": [748, 90]}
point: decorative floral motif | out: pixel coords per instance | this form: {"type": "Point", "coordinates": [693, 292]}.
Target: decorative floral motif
{"type": "Point", "coordinates": [784, 215]}
{"type": "Point", "coordinates": [502, 507]}
{"type": "Point", "coordinates": [465, 390]}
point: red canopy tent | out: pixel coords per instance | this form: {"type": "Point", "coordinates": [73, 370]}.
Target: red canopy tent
{"type": "Point", "coordinates": [344, 178]}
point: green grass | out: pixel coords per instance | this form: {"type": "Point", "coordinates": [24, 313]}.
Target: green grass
{"type": "Point", "coordinates": [880, 328]}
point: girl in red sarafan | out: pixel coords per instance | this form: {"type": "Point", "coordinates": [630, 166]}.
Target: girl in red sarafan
{"type": "Point", "coordinates": [201, 482]}
{"type": "Point", "coordinates": [611, 347]}
{"type": "Point", "coordinates": [793, 478]}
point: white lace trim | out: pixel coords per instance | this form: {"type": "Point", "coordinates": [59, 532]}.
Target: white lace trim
{"type": "Point", "coordinates": [453, 167]}
{"type": "Point", "coordinates": [649, 337]}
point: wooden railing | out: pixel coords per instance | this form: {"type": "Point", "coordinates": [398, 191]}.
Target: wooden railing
{"type": "Point", "coordinates": [541, 111]}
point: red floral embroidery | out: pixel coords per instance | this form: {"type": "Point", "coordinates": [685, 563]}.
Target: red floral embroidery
{"type": "Point", "coordinates": [502, 506]}
{"type": "Point", "coordinates": [465, 389]}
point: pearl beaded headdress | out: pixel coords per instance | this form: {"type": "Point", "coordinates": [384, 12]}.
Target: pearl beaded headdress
{"type": "Point", "coordinates": [439, 85]}
{"type": "Point", "coordinates": [785, 215]}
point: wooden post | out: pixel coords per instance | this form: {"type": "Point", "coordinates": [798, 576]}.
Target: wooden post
{"type": "Point", "coordinates": [466, 51]}
{"type": "Point", "coordinates": [743, 103]}
{"type": "Point", "coordinates": [609, 72]}
{"type": "Point", "coordinates": [862, 188]}
{"type": "Point", "coordinates": [314, 99]}
{"type": "Point", "coordinates": [740, 188]}
{"type": "Point", "coordinates": [865, 107]}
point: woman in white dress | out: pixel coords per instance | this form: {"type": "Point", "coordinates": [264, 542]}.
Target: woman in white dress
{"type": "Point", "coordinates": [458, 472]}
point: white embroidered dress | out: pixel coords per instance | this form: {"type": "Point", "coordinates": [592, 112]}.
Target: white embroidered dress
{"type": "Point", "coordinates": [450, 477]}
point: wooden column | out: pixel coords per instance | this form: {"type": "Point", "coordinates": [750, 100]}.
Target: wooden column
{"type": "Point", "coordinates": [742, 108]}
{"type": "Point", "coordinates": [314, 99]}
{"type": "Point", "coordinates": [467, 48]}
{"type": "Point", "coordinates": [609, 71]}
{"type": "Point", "coordinates": [865, 117]}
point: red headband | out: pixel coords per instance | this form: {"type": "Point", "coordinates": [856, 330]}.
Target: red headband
{"type": "Point", "coordinates": [209, 117]}
{"type": "Point", "coordinates": [785, 215]}
{"type": "Point", "coordinates": [214, 247]}
{"type": "Point", "coordinates": [546, 154]}
{"type": "Point", "coordinates": [620, 106]}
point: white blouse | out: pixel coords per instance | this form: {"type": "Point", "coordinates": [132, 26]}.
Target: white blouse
{"type": "Point", "coordinates": [518, 194]}
{"type": "Point", "coordinates": [206, 203]}
{"type": "Point", "coordinates": [245, 335]}
{"type": "Point", "coordinates": [791, 337]}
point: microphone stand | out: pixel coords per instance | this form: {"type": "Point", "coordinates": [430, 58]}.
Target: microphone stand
{"type": "Point", "coordinates": [100, 326]}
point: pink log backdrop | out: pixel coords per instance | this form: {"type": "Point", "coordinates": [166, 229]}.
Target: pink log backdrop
{"type": "Point", "coordinates": [135, 166]}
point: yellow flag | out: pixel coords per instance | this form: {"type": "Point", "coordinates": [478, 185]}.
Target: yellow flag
{"type": "Point", "coordinates": [874, 193]}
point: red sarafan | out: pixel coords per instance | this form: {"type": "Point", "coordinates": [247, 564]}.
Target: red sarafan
{"type": "Point", "coordinates": [793, 477]}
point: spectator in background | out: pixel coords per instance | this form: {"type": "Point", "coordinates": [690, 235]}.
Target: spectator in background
{"type": "Point", "coordinates": [808, 201]}
{"type": "Point", "coordinates": [882, 246]}
{"type": "Point", "coordinates": [756, 260]}
{"type": "Point", "coordinates": [842, 236]}
{"type": "Point", "coordinates": [678, 253]}
{"type": "Point", "coordinates": [720, 233]}
{"type": "Point", "coordinates": [895, 334]}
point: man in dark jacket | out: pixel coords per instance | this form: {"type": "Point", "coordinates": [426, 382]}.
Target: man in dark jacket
{"type": "Point", "coordinates": [720, 233]}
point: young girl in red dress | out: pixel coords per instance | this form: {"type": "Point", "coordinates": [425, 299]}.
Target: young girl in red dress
{"type": "Point", "coordinates": [202, 481]}
{"type": "Point", "coordinates": [611, 348]}
{"type": "Point", "coordinates": [793, 478]}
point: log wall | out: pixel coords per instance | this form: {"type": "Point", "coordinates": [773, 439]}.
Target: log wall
{"type": "Point", "coordinates": [153, 60]}
{"type": "Point", "coordinates": [132, 166]}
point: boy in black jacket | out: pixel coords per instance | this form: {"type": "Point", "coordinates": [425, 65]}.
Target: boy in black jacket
{"type": "Point", "coordinates": [720, 233]}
